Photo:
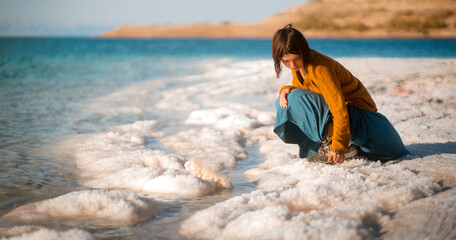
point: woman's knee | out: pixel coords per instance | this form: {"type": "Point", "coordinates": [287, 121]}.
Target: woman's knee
{"type": "Point", "coordinates": [297, 95]}
{"type": "Point", "coordinates": [300, 92]}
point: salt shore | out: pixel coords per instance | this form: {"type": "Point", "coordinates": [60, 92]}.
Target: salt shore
{"type": "Point", "coordinates": [204, 126]}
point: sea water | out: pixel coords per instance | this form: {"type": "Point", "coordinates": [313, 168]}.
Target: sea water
{"type": "Point", "coordinates": [55, 91]}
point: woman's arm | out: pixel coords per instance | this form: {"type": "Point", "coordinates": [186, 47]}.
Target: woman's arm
{"type": "Point", "coordinates": [329, 87]}
{"type": "Point", "coordinates": [283, 97]}
{"type": "Point", "coordinates": [285, 90]}
{"type": "Point", "coordinates": [289, 87]}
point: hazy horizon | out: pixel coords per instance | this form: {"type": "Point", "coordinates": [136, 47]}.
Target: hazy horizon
{"type": "Point", "coordinates": [89, 18]}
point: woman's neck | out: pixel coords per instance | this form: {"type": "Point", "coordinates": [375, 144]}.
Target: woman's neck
{"type": "Point", "coordinates": [303, 70]}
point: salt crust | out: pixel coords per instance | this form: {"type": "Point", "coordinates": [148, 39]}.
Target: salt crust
{"type": "Point", "coordinates": [120, 160]}
{"type": "Point", "coordinates": [221, 147]}
{"type": "Point", "coordinates": [222, 118]}
{"type": "Point", "coordinates": [435, 218]}
{"type": "Point", "coordinates": [34, 232]}
{"type": "Point", "coordinates": [113, 207]}
{"type": "Point", "coordinates": [210, 150]}
{"type": "Point", "coordinates": [354, 200]}
{"type": "Point", "coordinates": [303, 199]}
{"type": "Point", "coordinates": [144, 127]}
{"type": "Point", "coordinates": [299, 199]}
{"type": "Point", "coordinates": [229, 79]}
{"type": "Point", "coordinates": [267, 215]}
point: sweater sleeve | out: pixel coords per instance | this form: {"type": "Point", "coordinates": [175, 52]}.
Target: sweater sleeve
{"type": "Point", "coordinates": [328, 84]}
{"type": "Point", "coordinates": [294, 82]}
{"type": "Point", "coordinates": [286, 86]}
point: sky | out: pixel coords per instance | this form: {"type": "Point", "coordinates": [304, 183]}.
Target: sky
{"type": "Point", "coordinates": [91, 17]}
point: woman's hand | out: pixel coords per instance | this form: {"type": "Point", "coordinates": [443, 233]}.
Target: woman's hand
{"type": "Point", "coordinates": [283, 97]}
{"type": "Point", "coordinates": [336, 156]}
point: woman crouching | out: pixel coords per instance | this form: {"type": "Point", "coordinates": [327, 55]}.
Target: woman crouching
{"type": "Point", "coordinates": [327, 111]}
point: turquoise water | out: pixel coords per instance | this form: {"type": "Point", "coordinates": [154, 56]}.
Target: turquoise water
{"type": "Point", "coordinates": [387, 48]}
{"type": "Point", "coordinates": [45, 85]}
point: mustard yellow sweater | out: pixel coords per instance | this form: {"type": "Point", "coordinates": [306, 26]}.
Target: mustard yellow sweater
{"type": "Point", "coordinates": [338, 87]}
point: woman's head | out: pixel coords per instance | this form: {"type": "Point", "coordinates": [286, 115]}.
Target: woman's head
{"type": "Point", "coordinates": [288, 42]}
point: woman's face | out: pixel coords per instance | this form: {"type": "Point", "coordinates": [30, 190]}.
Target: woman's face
{"type": "Point", "coordinates": [292, 61]}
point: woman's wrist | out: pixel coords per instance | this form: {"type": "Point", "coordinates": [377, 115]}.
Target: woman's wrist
{"type": "Point", "coordinates": [336, 151]}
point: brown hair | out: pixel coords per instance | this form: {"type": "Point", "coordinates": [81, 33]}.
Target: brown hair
{"type": "Point", "coordinates": [289, 40]}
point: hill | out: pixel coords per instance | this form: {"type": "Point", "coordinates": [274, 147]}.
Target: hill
{"type": "Point", "coordinates": [323, 18]}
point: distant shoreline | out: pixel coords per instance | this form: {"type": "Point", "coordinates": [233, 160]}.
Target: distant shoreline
{"type": "Point", "coordinates": [267, 38]}
{"type": "Point", "coordinates": [219, 38]}
{"type": "Point", "coordinates": [174, 33]}
{"type": "Point", "coordinates": [322, 19]}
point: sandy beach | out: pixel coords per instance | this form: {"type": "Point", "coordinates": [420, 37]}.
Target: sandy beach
{"type": "Point", "coordinates": [225, 115]}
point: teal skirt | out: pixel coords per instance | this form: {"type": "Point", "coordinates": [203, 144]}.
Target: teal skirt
{"type": "Point", "coordinates": [305, 122]}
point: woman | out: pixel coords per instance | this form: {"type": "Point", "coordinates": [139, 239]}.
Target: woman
{"type": "Point", "coordinates": [326, 106]}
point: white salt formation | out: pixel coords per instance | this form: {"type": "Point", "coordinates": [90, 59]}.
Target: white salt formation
{"type": "Point", "coordinates": [211, 151]}
{"type": "Point", "coordinates": [144, 127]}
{"type": "Point", "coordinates": [267, 215]}
{"type": "Point", "coordinates": [223, 79]}
{"type": "Point", "coordinates": [201, 169]}
{"type": "Point", "coordinates": [302, 199]}
{"type": "Point", "coordinates": [175, 182]}
{"type": "Point", "coordinates": [222, 118]}
{"type": "Point", "coordinates": [97, 206]}
{"type": "Point", "coordinates": [357, 199]}
{"type": "Point", "coordinates": [120, 160]}
{"type": "Point", "coordinates": [35, 232]}
{"type": "Point", "coordinates": [229, 107]}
